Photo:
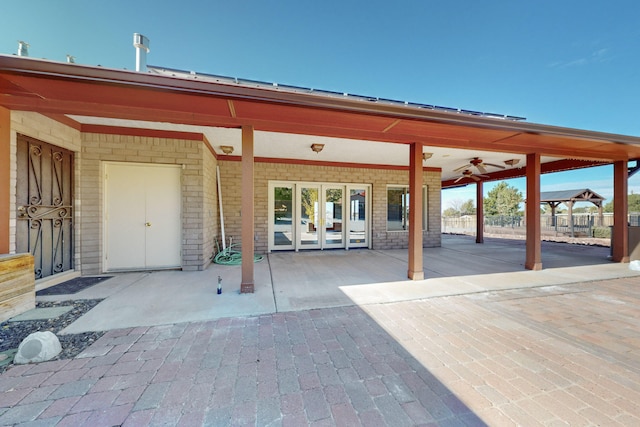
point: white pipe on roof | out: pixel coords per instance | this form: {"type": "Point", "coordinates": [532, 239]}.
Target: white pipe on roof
{"type": "Point", "coordinates": [23, 48]}
{"type": "Point", "coordinates": [141, 43]}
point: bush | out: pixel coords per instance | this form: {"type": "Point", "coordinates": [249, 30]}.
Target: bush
{"type": "Point", "coordinates": [602, 232]}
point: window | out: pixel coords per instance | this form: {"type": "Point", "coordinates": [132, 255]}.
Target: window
{"type": "Point", "coordinates": [398, 208]}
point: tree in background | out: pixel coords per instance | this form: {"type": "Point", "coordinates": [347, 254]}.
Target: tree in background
{"type": "Point", "coordinates": [633, 202]}
{"type": "Point", "coordinates": [457, 208]}
{"type": "Point", "coordinates": [468, 208]}
{"type": "Point", "coordinates": [503, 199]}
{"type": "Point", "coordinates": [450, 213]}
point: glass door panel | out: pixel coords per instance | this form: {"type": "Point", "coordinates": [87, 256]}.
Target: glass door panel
{"type": "Point", "coordinates": [283, 215]}
{"type": "Point", "coordinates": [309, 216]}
{"type": "Point", "coordinates": [333, 217]}
{"type": "Point", "coordinates": [358, 228]}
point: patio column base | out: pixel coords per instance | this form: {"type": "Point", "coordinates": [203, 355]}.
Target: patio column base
{"type": "Point", "coordinates": [246, 288]}
{"type": "Point", "coordinates": [536, 266]}
{"type": "Point", "coordinates": [416, 275]}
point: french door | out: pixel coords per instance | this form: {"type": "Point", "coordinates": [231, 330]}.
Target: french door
{"type": "Point", "coordinates": [318, 216]}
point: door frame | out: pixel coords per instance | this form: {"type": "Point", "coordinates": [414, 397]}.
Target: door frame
{"type": "Point", "coordinates": [297, 216]}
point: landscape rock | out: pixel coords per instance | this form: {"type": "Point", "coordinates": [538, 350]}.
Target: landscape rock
{"type": "Point", "coordinates": [38, 347]}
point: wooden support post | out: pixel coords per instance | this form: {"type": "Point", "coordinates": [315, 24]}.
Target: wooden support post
{"type": "Point", "coordinates": [570, 217]}
{"type": "Point", "coordinates": [534, 246]}
{"type": "Point", "coordinates": [247, 284]}
{"type": "Point", "coordinates": [620, 238]}
{"type": "Point", "coordinates": [600, 215]}
{"type": "Point", "coordinates": [5, 178]}
{"type": "Point", "coordinates": [479, 213]}
{"type": "Point", "coordinates": [416, 271]}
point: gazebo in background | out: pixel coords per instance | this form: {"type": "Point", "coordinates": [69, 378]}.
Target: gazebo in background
{"type": "Point", "coordinates": [569, 198]}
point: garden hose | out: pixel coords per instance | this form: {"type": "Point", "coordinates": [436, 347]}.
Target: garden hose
{"type": "Point", "coordinates": [232, 256]}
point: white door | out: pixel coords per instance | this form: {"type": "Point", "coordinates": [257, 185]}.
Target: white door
{"type": "Point", "coordinates": [282, 218]}
{"type": "Point", "coordinates": [357, 216]}
{"type": "Point", "coordinates": [142, 216]}
{"type": "Point", "coordinates": [333, 221]}
{"type": "Point", "coordinates": [321, 216]}
{"type": "Point", "coordinates": [309, 216]}
{"type": "Point", "coordinates": [305, 215]}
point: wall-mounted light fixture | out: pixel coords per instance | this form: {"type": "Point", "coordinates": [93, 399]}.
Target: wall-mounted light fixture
{"type": "Point", "coordinates": [226, 149]}
{"type": "Point", "coordinates": [317, 147]}
{"type": "Point", "coordinates": [426, 156]}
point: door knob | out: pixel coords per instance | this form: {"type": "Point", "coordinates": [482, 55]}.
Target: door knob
{"type": "Point", "coordinates": [148, 224]}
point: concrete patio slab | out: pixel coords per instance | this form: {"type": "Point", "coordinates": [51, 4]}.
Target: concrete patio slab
{"type": "Point", "coordinates": [158, 298]}
{"type": "Point", "coordinates": [290, 281]}
{"type": "Point", "coordinates": [330, 279]}
{"type": "Point", "coordinates": [41, 313]}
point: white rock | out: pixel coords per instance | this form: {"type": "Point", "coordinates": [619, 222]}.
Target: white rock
{"type": "Point", "coordinates": [634, 265]}
{"type": "Point", "coordinates": [38, 347]}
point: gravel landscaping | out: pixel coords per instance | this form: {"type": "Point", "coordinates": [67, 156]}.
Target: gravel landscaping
{"type": "Point", "coordinates": [12, 333]}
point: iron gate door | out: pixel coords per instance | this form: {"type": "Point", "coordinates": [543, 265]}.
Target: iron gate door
{"type": "Point", "coordinates": [44, 199]}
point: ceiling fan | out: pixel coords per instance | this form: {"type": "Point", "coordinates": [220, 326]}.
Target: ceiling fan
{"type": "Point", "coordinates": [479, 164]}
{"type": "Point", "coordinates": [467, 173]}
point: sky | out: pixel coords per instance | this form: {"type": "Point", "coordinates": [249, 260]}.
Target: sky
{"type": "Point", "coordinates": [565, 63]}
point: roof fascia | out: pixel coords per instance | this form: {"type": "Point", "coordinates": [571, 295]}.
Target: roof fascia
{"type": "Point", "coordinates": [59, 70]}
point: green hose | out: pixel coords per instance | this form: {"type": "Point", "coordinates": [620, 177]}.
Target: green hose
{"type": "Point", "coordinates": [232, 256]}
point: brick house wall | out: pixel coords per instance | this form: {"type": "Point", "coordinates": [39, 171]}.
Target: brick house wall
{"type": "Point", "coordinates": [199, 213]}
{"type": "Point", "coordinates": [230, 176]}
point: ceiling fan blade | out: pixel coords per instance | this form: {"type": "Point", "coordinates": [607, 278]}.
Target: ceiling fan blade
{"type": "Point", "coordinates": [474, 177]}
{"type": "Point", "coordinates": [456, 181]}
{"type": "Point", "coordinates": [481, 168]}
{"type": "Point", "coordinates": [461, 167]}
{"type": "Point", "coordinates": [494, 165]}
{"type": "Point", "coordinates": [482, 176]}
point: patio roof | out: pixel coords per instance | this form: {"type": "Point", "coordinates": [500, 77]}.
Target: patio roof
{"type": "Point", "coordinates": [584, 195]}
{"type": "Point", "coordinates": [362, 130]}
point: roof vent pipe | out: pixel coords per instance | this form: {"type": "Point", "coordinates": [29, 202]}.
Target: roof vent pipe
{"type": "Point", "coordinates": [141, 43]}
{"type": "Point", "coordinates": [23, 48]}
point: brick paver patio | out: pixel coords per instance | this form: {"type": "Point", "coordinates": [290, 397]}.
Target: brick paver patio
{"type": "Point", "coordinates": [558, 355]}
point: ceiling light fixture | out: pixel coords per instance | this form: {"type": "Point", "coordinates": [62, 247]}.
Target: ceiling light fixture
{"type": "Point", "coordinates": [226, 149]}
{"type": "Point", "coordinates": [317, 147]}
{"type": "Point", "coordinates": [426, 156]}
{"type": "Point", "coordinates": [512, 162]}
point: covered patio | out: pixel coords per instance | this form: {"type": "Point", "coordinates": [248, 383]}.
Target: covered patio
{"type": "Point", "coordinates": [197, 123]}
{"type": "Point", "coordinates": [291, 281]}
